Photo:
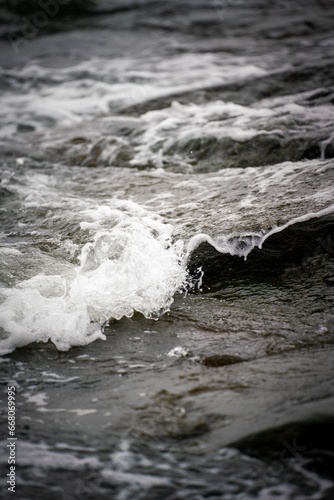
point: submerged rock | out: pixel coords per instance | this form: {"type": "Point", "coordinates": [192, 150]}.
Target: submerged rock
{"type": "Point", "coordinates": [217, 360]}
{"type": "Point", "coordinates": [297, 438]}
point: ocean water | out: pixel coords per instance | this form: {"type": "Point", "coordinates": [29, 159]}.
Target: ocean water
{"type": "Point", "coordinates": [166, 250]}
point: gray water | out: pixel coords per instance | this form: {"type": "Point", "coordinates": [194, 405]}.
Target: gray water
{"type": "Point", "coordinates": [166, 298]}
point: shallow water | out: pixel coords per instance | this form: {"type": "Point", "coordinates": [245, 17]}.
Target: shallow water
{"type": "Point", "coordinates": [167, 250]}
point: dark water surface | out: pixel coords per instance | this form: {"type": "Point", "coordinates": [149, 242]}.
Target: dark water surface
{"type": "Point", "coordinates": [166, 250]}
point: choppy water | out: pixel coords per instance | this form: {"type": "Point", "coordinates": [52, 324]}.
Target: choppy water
{"type": "Point", "coordinates": [167, 203]}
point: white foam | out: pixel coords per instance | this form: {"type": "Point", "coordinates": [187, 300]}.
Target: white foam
{"type": "Point", "coordinates": [38, 399]}
{"type": "Point", "coordinates": [9, 251]}
{"type": "Point", "coordinates": [77, 411]}
{"type": "Point", "coordinates": [178, 352]}
{"type": "Point", "coordinates": [42, 457]}
{"type": "Point", "coordinates": [179, 124]}
{"type": "Point", "coordinates": [144, 480]}
{"type": "Point", "coordinates": [242, 245]}
{"type": "Point", "coordinates": [132, 266]}
{"type": "Point", "coordinates": [166, 135]}
{"type": "Point", "coordinates": [91, 88]}
{"type": "Point", "coordinates": [54, 378]}
{"type": "Point", "coordinates": [123, 460]}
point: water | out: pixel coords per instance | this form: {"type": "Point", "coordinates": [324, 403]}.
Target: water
{"type": "Point", "coordinates": [167, 252]}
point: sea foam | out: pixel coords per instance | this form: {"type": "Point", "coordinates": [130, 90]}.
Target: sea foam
{"type": "Point", "coordinates": [132, 266]}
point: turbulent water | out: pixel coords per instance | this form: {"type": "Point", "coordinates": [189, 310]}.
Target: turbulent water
{"type": "Point", "coordinates": [166, 250]}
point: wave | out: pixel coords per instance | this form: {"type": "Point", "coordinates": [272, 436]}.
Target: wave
{"type": "Point", "coordinates": [215, 262]}
{"type": "Point", "coordinates": [132, 267]}
{"type": "Point", "coordinates": [131, 263]}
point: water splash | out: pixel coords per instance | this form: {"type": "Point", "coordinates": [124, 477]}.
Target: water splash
{"type": "Point", "coordinates": [134, 266]}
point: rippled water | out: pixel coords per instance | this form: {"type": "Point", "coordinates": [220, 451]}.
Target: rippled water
{"type": "Point", "coordinates": [166, 300]}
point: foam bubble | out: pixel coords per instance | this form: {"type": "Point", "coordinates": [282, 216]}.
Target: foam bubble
{"type": "Point", "coordinates": [132, 266]}
{"type": "Point", "coordinates": [240, 245]}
